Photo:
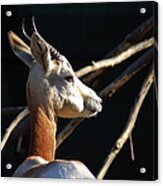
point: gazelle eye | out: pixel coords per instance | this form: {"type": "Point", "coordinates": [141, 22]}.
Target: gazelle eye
{"type": "Point", "coordinates": [69, 79]}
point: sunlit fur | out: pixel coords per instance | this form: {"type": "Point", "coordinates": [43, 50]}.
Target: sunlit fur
{"type": "Point", "coordinates": [47, 80]}
{"type": "Point", "coordinates": [53, 90]}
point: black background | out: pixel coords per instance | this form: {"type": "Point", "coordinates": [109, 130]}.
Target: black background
{"type": "Point", "coordinates": [85, 32]}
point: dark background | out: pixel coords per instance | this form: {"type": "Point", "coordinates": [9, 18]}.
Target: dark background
{"type": "Point", "coordinates": [85, 32]}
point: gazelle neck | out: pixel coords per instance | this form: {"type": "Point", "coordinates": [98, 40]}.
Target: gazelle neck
{"type": "Point", "coordinates": [43, 134]}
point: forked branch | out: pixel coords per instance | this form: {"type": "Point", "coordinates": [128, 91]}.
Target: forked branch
{"type": "Point", "coordinates": [128, 74]}
{"type": "Point", "coordinates": [132, 38]}
{"type": "Point", "coordinates": [117, 59]}
{"type": "Point", "coordinates": [110, 90]}
{"type": "Point", "coordinates": [107, 91]}
{"type": "Point", "coordinates": [12, 126]}
{"type": "Point", "coordinates": [129, 126]}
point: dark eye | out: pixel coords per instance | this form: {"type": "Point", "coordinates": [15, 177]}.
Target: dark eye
{"type": "Point", "coordinates": [69, 79]}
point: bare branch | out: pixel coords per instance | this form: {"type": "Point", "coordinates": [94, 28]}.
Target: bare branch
{"type": "Point", "coordinates": [12, 126]}
{"type": "Point", "coordinates": [20, 129]}
{"type": "Point", "coordinates": [117, 59]}
{"type": "Point", "coordinates": [68, 130]}
{"type": "Point", "coordinates": [130, 39]}
{"type": "Point", "coordinates": [108, 91]}
{"type": "Point", "coordinates": [12, 110]}
{"type": "Point", "coordinates": [155, 85]}
{"type": "Point", "coordinates": [134, 37]}
{"type": "Point", "coordinates": [129, 126]}
{"type": "Point", "coordinates": [127, 74]}
{"type": "Point", "coordinates": [19, 144]}
{"type": "Point", "coordinates": [132, 148]}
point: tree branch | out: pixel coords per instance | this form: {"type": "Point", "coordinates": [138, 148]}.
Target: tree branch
{"type": "Point", "coordinates": [12, 126]}
{"type": "Point", "coordinates": [108, 91]}
{"type": "Point", "coordinates": [129, 126]}
{"type": "Point", "coordinates": [12, 110]}
{"type": "Point", "coordinates": [117, 59]}
{"type": "Point", "coordinates": [68, 130]}
{"type": "Point", "coordinates": [128, 74]}
{"type": "Point", "coordinates": [134, 37]}
{"type": "Point", "coordinates": [130, 39]}
{"type": "Point", "coordinates": [132, 148]}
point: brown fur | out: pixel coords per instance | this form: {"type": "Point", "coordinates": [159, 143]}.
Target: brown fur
{"type": "Point", "coordinates": [43, 130]}
{"type": "Point", "coordinates": [43, 142]}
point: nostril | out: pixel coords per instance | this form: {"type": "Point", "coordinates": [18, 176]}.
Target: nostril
{"type": "Point", "coordinates": [69, 79]}
{"type": "Point", "coordinates": [96, 108]}
{"type": "Point", "coordinates": [93, 104]}
{"type": "Point", "coordinates": [93, 110]}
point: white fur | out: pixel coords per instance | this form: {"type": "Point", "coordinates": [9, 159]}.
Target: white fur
{"type": "Point", "coordinates": [48, 87]}
{"type": "Point", "coordinates": [57, 169]}
{"type": "Point", "coordinates": [70, 100]}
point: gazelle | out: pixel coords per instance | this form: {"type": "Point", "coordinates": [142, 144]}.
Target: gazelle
{"type": "Point", "coordinates": [53, 90]}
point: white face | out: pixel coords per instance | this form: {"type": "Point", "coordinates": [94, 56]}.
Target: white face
{"type": "Point", "coordinates": [55, 85]}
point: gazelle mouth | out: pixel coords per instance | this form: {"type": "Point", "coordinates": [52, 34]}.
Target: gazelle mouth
{"type": "Point", "coordinates": [94, 111]}
{"type": "Point", "coordinates": [94, 107]}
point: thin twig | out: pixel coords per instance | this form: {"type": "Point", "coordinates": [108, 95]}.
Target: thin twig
{"type": "Point", "coordinates": [67, 131]}
{"type": "Point", "coordinates": [20, 129]}
{"type": "Point", "coordinates": [12, 126]}
{"type": "Point", "coordinates": [115, 85]}
{"type": "Point", "coordinates": [19, 144]}
{"type": "Point", "coordinates": [117, 59]}
{"type": "Point", "coordinates": [129, 40]}
{"type": "Point", "coordinates": [129, 126]}
{"type": "Point", "coordinates": [110, 90]}
{"type": "Point", "coordinates": [12, 110]}
{"type": "Point", "coordinates": [127, 74]}
{"type": "Point", "coordinates": [156, 87]}
{"type": "Point", "coordinates": [132, 148]}
{"type": "Point", "coordinates": [134, 37]}
{"type": "Point", "coordinates": [100, 64]}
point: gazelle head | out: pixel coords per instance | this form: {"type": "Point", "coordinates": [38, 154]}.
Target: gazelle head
{"type": "Point", "coordinates": [52, 83]}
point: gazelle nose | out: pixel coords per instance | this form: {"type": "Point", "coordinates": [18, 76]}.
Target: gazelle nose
{"type": "Point", "coordinates": [94, 105]}
{"type": "Point", "coordinates": [98, 107]}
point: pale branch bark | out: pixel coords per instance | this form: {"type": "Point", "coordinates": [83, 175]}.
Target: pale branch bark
{"type": "Point", "coordinates": [127, 74]}
{"type": "Point", "coordinates": [115, 85]}
{"type": "Point", "coordinates": [130, 39]}
{"type": "Point", "coordinates": [156, 87]}
{"type": "Point", "coordinates": [67, 131]}
{"type": "Point", "coordinates": [12, 110]}
{"type": "Point", "coordinates": [117, 59]}
{"type": "Point", "coordinates": [21, 128]}
{"type": "Point", "coordinates": [92, 76]}
{"type": "Point", "coordinates": [12, 126]}
{"type": "Point", "coordinates": [128, 53]}
{"type": "Point", "coordinates": [117, 147]}
{"type": "Point", "coordinates": [19, 144]}
{"type": "Point", "coordinates": [124, 77]}
{"type": "Point", "coordinates": [134, 37]}
{"type": "Point", "coordinates": [108, 91]}
{"type": "Point", "coordinates": [98, 65]}
{"type": "Point", "coordinates": [132, 148]}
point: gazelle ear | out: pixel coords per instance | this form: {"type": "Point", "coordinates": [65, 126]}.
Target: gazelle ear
{"type": "Point", "coordinates": [20, 49]}
{"type": "Point", "coordinates": [41, 51]}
